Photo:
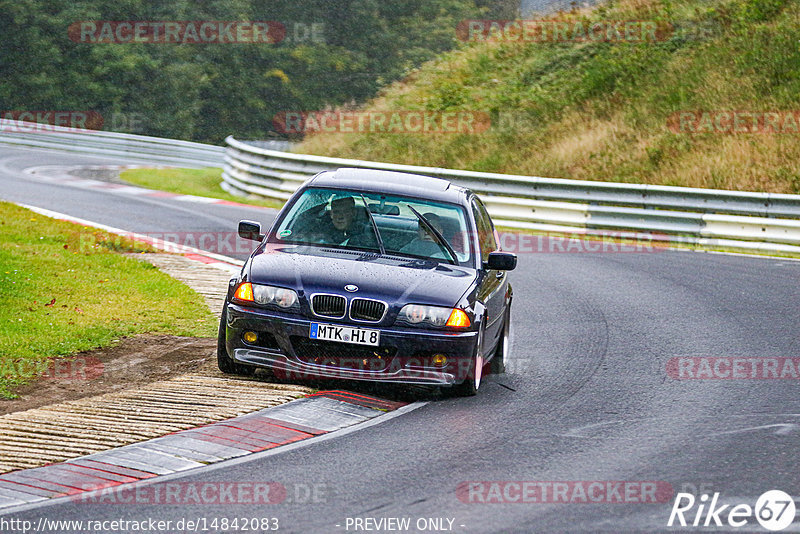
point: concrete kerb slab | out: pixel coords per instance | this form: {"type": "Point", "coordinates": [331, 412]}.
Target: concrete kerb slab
{"type": "Point", "coordinates": [321, 413]}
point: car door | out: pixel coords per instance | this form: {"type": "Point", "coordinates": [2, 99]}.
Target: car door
{"type": "Point", "coordinates": [492, 289]}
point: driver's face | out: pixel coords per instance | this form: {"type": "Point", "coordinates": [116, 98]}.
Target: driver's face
{"type": "Point", "coordinates": [424, 235]}
{"type": "Point", "coordinates": [341, 215]}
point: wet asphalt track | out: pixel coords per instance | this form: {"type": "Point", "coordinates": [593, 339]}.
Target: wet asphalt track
{"type": "Point", "coordinates": [587, 396]}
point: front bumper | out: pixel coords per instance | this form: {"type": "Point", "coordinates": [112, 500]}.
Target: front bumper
{"type": "Point", "coordinates": [402, 356]}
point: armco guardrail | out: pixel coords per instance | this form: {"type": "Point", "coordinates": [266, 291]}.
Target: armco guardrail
{"type": "Point", "coordinates": [112, 144]}
{"type": "Point", "coordinates": [759, 221]}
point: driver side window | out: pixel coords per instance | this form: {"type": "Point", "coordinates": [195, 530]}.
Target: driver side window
{"type": "Point", "coordinates": [485, 229]}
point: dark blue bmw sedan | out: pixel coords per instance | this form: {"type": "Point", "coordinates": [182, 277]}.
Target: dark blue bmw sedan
{"type": "Point", "coordinates": [372, 275]}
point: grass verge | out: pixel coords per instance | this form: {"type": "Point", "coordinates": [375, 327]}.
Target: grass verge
{"type": "Point", "coordinates": [66, 288]}
{"type": "Point", "coordinates": [609, 111]}
{"type": "Point", "coordinates": [198, 182]}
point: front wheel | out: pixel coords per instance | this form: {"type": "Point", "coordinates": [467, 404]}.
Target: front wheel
{"type": "Point", "coordinates": [472, 382]}
{"type": "Point", "coordinates": [224, 361]}
{"type": "Point", "coordinates": [498, 363]}
{"type": "Point", "coordinates": [470, 385]}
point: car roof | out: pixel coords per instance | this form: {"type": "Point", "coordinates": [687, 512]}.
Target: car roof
{"type": "Point", "coordinates": [390, 182]}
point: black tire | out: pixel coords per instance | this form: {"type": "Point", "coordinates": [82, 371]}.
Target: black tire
{"type": "Point", "coordinates": [498, 363]}
{"type": "Point", "coordinates": [224, 361]}
{"type": "Point", "coordinates": [470, 385]}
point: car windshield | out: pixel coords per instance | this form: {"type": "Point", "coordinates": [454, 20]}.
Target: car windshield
{"type": "Point", "coordinates": [339, 218]}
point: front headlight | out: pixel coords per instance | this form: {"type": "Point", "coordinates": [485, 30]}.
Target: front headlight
{"type": "Point", "coordinates": [434, 316]}
{"type": "Point", "coordinates": [266, 295]}
{"type": "Point", "coordinates": [275, 296]}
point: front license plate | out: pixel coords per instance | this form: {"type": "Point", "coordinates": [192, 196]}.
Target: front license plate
{"type": "Point", "coordinates": [345, 334]}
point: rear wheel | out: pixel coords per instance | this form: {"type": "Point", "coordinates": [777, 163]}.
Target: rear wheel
{"type": "Point", "coordinates": [224, 361]}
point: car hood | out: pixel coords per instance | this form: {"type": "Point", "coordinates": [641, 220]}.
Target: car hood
{"type": "Point", "coordinates": [393, 279]}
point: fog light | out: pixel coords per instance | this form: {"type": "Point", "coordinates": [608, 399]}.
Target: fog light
{"type": "Point", "coordinates": [250, 337]}
{"type": "Point", "coordinates": [439, 360]}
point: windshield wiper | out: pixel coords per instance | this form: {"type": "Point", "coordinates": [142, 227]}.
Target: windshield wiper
{"type": "Point", "coordinates": [374, 226]}
{"type": "Point", "coordinates": [440, 240]}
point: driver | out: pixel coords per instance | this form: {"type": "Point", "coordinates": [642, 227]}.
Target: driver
{"type": "Point", "coordinates": [343, 228]}
{"type": "Point", "coordinates": [424, 243]}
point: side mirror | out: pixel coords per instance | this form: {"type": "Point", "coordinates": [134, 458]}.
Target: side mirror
{"type": "Point", "coordinates": [501, 261]}
{"type": "Point", "coordinates": [250, 230]}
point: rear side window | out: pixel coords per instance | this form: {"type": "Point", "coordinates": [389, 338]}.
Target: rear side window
{"type": "Point", "coordinates": [486, 234]}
